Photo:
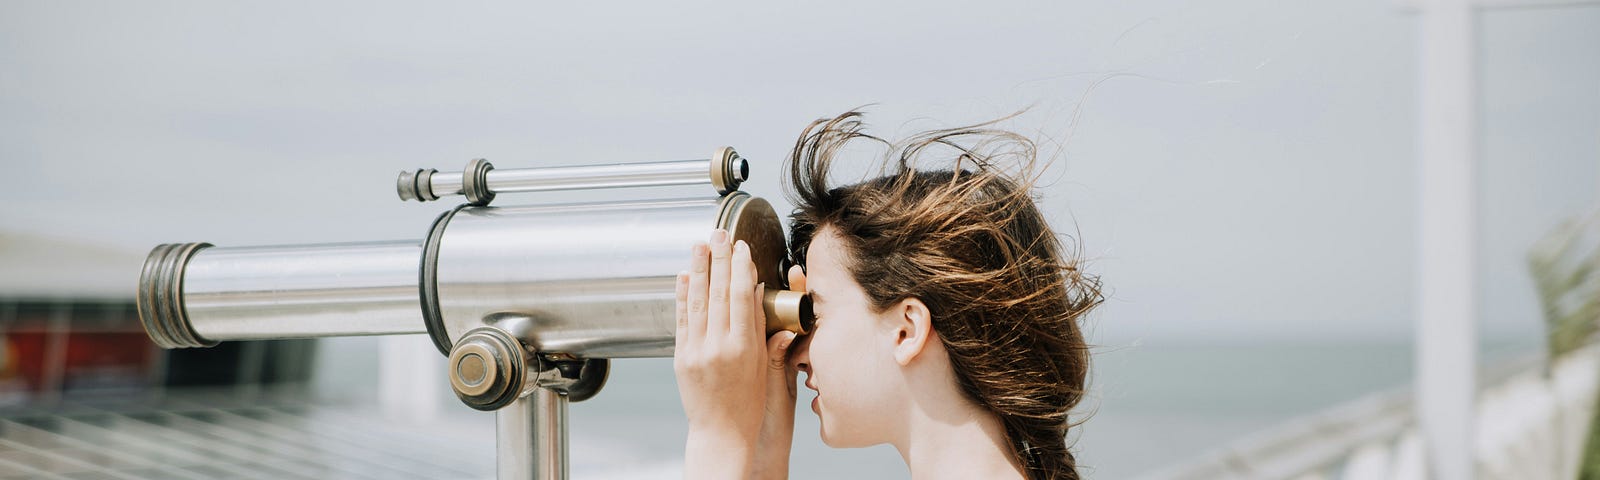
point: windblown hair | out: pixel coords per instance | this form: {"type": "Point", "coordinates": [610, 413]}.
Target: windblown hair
{"type": "Point", "coordinates": [969, 243]}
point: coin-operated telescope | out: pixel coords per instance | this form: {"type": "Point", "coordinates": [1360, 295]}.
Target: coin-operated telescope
{"type": "Point", "coordinates": [529, 303]}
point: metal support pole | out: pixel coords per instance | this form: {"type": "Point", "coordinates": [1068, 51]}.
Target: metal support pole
{"type": "Point", "coordinates": [531, 437]}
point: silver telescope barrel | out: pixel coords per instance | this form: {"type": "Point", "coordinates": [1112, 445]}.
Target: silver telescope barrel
{"type": "Point", "coordinates": [587, 280]}
{"type": "Point", "coordinates": [480, 181]}
{"type": "Point", "coordinates": [594, 280]}
{"type": "Point", "coordinates": [194, 295]}
{"type": "Point", "coordinates": [591, 280]}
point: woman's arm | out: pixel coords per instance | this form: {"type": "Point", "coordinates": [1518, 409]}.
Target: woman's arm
{"type": "Point", "coordinates": [777, 430]}
{"type": "Point", "coordinates": [725, 373]}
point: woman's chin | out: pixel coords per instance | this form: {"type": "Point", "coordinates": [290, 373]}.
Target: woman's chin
{"type": "Point", "coordinates": [828, 440]}
{"type": "Point", "coordinates": [834, 441]}
{"type": "Point", "coordinates": [825, 432]}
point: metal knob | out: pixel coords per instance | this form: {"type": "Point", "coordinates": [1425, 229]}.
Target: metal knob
{"type": "Point", "coordinates": [489, 369]}
{"type": "Point", "coordinates": [728, 170]}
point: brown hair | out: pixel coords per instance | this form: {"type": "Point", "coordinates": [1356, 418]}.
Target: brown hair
{"type": "Point", "coordinates": [970, 244]}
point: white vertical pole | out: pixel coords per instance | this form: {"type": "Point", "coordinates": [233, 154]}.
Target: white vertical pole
{"type": "Point", "coordinates": [1446, 352]}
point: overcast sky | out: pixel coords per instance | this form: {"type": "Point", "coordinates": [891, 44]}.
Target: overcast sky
{"type": "Point", "coordinates": [1238, 170]}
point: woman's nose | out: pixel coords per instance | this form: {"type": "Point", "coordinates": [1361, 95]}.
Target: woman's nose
{"type": "Point", "coordinates": [800, 354]}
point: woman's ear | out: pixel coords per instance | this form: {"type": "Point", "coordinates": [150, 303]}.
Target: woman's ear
{"type": "Point", "coordinates": [913, 330]}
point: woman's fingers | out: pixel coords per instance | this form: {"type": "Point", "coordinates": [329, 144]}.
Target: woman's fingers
{"type": "Point", "coordinates": [758, 312]}
{"type": "Point", "coordinates": [717, 293]}
{"type": "Point", "coordinates": [681, 334]}
{"type": "Point", "coordinates": [719, 297]}
{"type": "Point", "coordinates": [797, 279]}
{"type": "Point", "coordinates": [778, 357]}
{"type": "Point", "coordinates": [699, 279]}
{"type": "Point", "coordinates": [741, 287]}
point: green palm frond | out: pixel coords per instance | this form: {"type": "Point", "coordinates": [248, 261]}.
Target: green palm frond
{"type": "Point", "coordinates": [1565, 265]}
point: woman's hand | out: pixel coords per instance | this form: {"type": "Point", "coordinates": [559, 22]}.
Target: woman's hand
{"type": "Point", "coordinates": [777, 429]}
{"type": "Point", "coordinates": [724, 373]}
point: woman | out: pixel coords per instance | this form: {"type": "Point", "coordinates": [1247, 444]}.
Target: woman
{"type": "Point", "coordinates": [946, 319]}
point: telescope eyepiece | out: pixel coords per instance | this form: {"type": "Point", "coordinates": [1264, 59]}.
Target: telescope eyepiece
{"type": "Point", "coordinates": [787, 310]}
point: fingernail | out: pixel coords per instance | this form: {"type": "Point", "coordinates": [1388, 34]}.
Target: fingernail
{"type": "Point", "coordinates": [719, 236]}
{"type": "Point", "coordinates": [740, 245]}
{"type": "Point", "coordinates": [786, 343]}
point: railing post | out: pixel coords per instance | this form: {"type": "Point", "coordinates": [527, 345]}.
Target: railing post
{"type": "Point", "coordinates": [1446, 336]}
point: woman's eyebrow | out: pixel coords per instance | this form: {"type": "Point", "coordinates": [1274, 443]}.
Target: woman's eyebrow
{"type": "Point", "coordinates": [814, 298]}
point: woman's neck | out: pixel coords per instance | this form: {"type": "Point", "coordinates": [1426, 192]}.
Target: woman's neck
{"type": "Point", "coordinates": [957, 440]}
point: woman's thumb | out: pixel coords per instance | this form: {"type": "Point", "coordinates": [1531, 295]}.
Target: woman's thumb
{"type": "Point", "coordinates": [778, 349]}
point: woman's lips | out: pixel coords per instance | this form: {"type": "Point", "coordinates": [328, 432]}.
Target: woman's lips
{"type": "Point", "coordinates": [815, 405]}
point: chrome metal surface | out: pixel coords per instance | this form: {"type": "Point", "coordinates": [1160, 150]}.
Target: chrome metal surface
{"type": "Point", "coordinates": [683, 172]}
{"type": "Point", "coordinates": [243, 293]}
{"type": "Point", "coordinates": [549, 433]}
{"type": "Point", "coordinates": [725, 171]}
{"type": "Point", "coordinates": [531, 437]}
{"type": "Point", "coordinates": [443, 184]}
{"type": "Point", "coordinates": [160, 298]}
{"type": "Point", "coordinates": [589, 280]}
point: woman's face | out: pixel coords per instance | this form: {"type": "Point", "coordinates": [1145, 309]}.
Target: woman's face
{"type": "Point", "coordinates": [847, 357]}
